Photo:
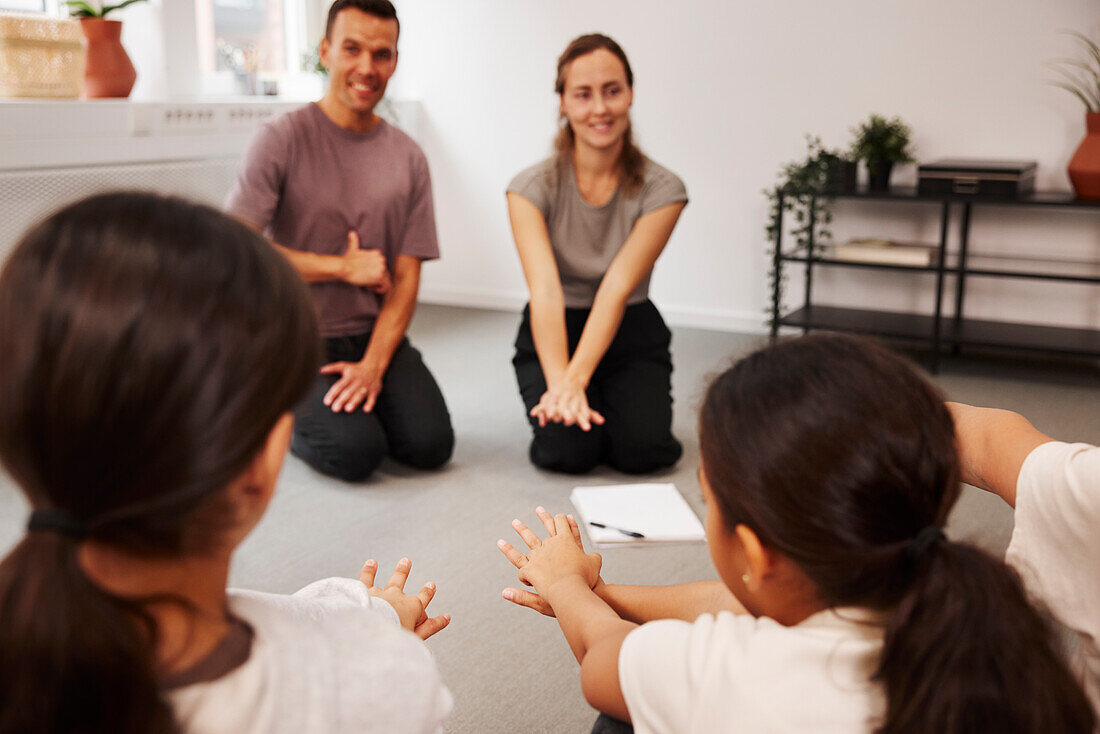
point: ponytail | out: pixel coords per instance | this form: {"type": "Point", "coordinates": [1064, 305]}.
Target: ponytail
{"type": "Point", "coordinates": [148, 345]}
{"type": "Point", "coordinates": [72, 658]}
{"type": "Point", "coordinates": [964, 651]}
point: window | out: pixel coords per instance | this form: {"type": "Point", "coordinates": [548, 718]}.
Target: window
{"type": "Point", "coordinates": [249, 46]}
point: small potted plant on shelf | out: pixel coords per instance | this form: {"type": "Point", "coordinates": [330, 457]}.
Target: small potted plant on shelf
{"type": "Point", "coordinates": [881, 143]}
{"type": "Point", "coordinates": [108, 71]}
{"type": "Point", "coordinates": [1082, 79]}
{"type": "Point", "coordinates": [803, 189]}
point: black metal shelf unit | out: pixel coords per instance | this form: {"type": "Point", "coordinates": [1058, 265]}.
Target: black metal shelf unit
{"type": "Point", "coordinates": [934, 331]}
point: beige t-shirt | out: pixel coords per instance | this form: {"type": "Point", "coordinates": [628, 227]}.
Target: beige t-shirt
{"type": "Point", "coordinates": [738, 673]}
{"type": "Point", "coordinates": [1056, 545]}
{"type": "Point", "coordinates": [330, 659]}
{"type": "Point", "coordinates": [586, 238]}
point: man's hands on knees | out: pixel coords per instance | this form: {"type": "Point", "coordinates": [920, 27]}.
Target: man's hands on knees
{"type": "Point", "coordinates": [411, 608]}
{"type": "Point", "coordinates": [358, 384]}
{"type": "Point", "coordinates": [366, 268]}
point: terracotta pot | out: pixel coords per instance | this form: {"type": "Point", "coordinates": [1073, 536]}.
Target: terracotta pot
{"type": "Point", "coordinates": [1084, 166]}
{"type": "Point", "coordinates": [108, 71]}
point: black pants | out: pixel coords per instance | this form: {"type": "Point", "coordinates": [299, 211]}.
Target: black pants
{"type": "Point", "coordinates": [631, 388]}
{"type": "Point", "coordinates": [409, 421]}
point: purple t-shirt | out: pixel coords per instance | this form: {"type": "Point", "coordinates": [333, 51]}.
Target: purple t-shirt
{"type": "Point", "coordinates": [307, 181]}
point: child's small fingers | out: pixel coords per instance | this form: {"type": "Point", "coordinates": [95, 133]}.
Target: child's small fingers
{"type": "Point", "coordinates": [528, 599]}
{"type": "Point", "coordinates": [518, 559]}
{"type": "Point", "coordinates": [431, 625]}
{"type": "Point", "coordinates": [400, 574]}
{"type": "Point", "coordinates": [529, 538]}
{"type": "Point", "coordinates": [547, 519]}
{"type": "Point", "coordinates": [576, 530]}
{"type": "Point", "coordinates": [426, 593]}
{"type": "Point", "coordinates": [561, 524]}
{"type": "Point", "coordinates": [366, 574]}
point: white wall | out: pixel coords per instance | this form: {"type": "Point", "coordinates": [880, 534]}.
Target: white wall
{"type": "Point", "coordinates": [724, 93]}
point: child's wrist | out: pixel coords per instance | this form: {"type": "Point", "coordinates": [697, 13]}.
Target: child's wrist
{"type": "Point", "coordinates": [566, 586]}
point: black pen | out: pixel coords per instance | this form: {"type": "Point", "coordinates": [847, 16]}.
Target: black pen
{"type": "Point", "coordinates": [631, 533]}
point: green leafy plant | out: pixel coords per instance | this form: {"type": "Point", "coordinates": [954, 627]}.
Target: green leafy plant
{"type": "Point", "coordinates": [802, 189]}
{"type": "Point", "coordinates": [82, 9]}
{"type": "Point", "coordinates": [882, 141]}
{"type": "Point", "coordinates": [1081, 78]}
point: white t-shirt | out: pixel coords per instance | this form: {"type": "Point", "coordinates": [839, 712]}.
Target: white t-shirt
{"type": "Point", "coordinates": [737, 673]}
{"type": "Point", "coordinates": [1056, 545]}
{"type": "Point", "coordinates": [329, 658]}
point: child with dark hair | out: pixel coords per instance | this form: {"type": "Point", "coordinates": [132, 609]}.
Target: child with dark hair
{"type": "Point", "coordinates": [151, 351]}
{"type": "Point", "coordinates": [828, 469]}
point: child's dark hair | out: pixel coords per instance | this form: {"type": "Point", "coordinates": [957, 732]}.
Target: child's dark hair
{"type": "Point", "coordinates": [148, 345]}
{"type": "Point", "coordinates": [841, 457]}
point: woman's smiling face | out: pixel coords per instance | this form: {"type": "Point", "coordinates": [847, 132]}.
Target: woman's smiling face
{"type": "Point", "coordinates": [596, 99]}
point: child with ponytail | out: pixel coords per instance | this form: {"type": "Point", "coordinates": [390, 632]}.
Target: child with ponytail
{"type": "Point", "coordinates": [151, 351]}
{"type": "Point", "coordinates": [828, 469]}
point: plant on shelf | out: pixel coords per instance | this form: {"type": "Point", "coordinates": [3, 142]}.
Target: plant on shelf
{"type": "Point", "coordinates": [82, 9]}
{"type": "Point", "coordinates": [803, 189]}
{"type": "Point", "coordinates": [1082, 79]}
{"type": "Point", "coordinates": [881, 143]}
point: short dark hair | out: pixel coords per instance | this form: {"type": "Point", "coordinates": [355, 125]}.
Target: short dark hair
{"type": "Point", "coordinates": [378, 8]}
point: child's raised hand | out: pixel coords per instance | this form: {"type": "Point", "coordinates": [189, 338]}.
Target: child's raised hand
{"type": "Point", "coordinates": [560, 555]}
{"type": "Point", "coordinates": [411, 608]}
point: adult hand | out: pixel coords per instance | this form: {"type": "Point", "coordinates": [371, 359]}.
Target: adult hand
{"type": "Point", "coordinates": [561, 554]}
{"type": "Point", "coordinates": [366, 268]}
{"type": "Point", "coordinates": [411, 608]}
{"type": "Point", "coordinates": [566, 403]}
{"type": "Point", "coordinates": [358, 383]}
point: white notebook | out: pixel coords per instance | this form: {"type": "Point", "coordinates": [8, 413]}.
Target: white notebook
{"type": "Point", "coordinates": [656, 511]}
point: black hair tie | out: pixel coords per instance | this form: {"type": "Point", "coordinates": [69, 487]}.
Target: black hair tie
{"type": "Point", "coordinates": [925, 539]}
{"type": "Point", "coordinates": [52, 521]}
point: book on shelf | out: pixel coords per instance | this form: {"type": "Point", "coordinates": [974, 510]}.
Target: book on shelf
{"type": "Point", "coordinates": [883, 252]}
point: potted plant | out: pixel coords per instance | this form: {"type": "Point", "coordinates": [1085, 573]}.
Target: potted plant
{"type": "Point", "coordinates": [108, 71]}
{"type": "Point", "coordinates": [803, 189]}
{"type": "Point", "coordinates": [1082, 79]}
{"type": "Point", "coordinates": [881, 143]}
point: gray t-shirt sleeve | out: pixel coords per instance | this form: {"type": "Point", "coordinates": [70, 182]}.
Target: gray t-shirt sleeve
{"type": "Point", "coordinates": [420, 239]}
{"type": "Point", "coordinates": [255, 194]}
{"type": "Point", "coordinates": [533, 184]}
{"type": "Point", "coordinates": [662, 187]}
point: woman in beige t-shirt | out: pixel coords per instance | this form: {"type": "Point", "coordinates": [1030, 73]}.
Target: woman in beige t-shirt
{"type": "Point", "coordinates": [592, 354]}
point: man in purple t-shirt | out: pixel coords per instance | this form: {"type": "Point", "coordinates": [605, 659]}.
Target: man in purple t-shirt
{"type": "Point", "coordinates": [347, 198]}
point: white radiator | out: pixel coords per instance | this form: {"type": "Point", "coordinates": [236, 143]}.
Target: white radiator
{"type": "Point", "coordinates": [29, 195]}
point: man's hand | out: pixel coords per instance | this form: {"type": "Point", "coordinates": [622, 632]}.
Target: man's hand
{"type": "Point", "coordinates": [411, 608]}
{"type": "Point", "coordinates": [365, 268]}
{"type": "Point", "coordinates": [358, 383]}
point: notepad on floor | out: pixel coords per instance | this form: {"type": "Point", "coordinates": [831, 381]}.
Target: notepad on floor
{"type": "Point", "coordinates": [657, 511]}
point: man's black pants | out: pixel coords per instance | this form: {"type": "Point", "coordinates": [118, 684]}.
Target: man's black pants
{"type": "Point", "coordinates": [409, 421]}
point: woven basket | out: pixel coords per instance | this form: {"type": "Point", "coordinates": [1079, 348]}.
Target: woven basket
{"type": "Point", "coordinates": [40, 57]}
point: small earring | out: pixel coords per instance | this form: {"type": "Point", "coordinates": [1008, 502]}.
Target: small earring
{"type": "Point", "coordinates": [744, 578]}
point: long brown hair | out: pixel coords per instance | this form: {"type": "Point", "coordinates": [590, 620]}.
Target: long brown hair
{"type": "Point", "coordinates": [632, 162]}
{"type": "Point", "coordinates": [148, 345]}
{"type": "Point", "coordinates": [841, 457]}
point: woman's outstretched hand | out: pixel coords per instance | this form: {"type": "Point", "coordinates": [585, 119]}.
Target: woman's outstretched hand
{"type": "Point", "coordinates": [411, 608]}
{"type": "Point", "coordinates": [560, 555]}
{"type": "Point", "coordinates": [567, 404]}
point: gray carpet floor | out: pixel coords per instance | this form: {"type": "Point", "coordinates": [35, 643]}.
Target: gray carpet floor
{"type": "Point", "coordinates": [508, 668]}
